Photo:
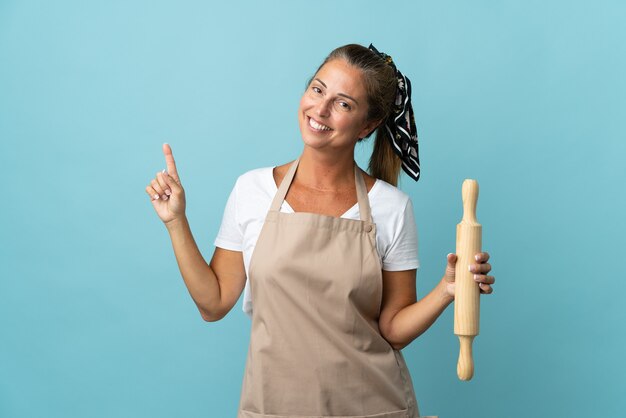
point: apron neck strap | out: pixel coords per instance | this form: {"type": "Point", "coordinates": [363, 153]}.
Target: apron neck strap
{"type": "Point", "coordinates": [361, 194]}
{"type": "Point", "coordinates": [361, 191]}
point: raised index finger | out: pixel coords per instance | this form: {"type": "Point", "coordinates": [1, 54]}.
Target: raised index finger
{"type": "Point", "coordinates": [169, 161]}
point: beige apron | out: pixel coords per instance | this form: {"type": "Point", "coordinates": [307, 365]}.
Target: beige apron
{"type": "Point", "coordinates": [315, 347]}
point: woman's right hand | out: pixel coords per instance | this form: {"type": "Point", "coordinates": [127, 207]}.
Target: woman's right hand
{"type": "Point", "coordinates": [166, 192]}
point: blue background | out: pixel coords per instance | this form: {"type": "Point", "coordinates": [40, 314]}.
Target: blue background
{"type": "Point", "coordinates": [527, 97]}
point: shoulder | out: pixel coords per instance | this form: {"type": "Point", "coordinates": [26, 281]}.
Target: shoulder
{"type": "Point", "coordinates": [391, 209]}
{"type": "Point", "coordinates": [255, 179]}
{"type": "Point", "coordinates": [254, 174]}
{"type": "Point", "coordinates": [389, 197]}
{"type": "Point", "coordinates": [252, 195]}
{"type": "Point", "coordinates": [392, 212]}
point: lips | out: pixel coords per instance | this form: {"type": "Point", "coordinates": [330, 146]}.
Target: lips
{"type": "Point", "coordinates": [316, 126]}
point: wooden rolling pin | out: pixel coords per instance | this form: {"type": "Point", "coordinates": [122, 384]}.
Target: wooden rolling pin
{"type": "Point", "coordinates": [467, 292]}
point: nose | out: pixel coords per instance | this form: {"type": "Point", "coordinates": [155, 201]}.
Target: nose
{"type": "Point", "coordinates": [323, 108]}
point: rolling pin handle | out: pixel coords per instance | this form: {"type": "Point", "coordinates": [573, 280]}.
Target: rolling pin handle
{"type": "Point", "coordinates": [469, 193]}
{"type": "Point", "coordinates": [465, 366]}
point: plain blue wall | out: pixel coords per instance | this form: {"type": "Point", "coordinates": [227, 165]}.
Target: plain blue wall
{"type": "Point", "coordinates": [528, 97]}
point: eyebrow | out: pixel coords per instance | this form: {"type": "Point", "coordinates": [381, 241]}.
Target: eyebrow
{"type": "Point", "coordinates": [338, 94]}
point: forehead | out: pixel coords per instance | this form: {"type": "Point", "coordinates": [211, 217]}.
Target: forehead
{"type": "Point", "coordinates": [342, 77]}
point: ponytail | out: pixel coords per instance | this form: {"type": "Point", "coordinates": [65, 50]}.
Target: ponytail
{"type": "Point", "coordinates": [384, 163]}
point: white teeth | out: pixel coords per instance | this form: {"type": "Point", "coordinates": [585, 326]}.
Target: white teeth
{"type": "Point", "coordinates": [318, 126]}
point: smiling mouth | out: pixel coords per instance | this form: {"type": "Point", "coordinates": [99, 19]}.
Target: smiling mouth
{"type": "Point", "coordinates": [318, 126]}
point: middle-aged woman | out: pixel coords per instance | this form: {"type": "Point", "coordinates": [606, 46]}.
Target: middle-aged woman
{"type": "Point", "coordinates": [325, 253]}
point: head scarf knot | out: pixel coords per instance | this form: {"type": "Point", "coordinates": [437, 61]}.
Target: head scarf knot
{"type": "Point", "coordinates": [400, 124]}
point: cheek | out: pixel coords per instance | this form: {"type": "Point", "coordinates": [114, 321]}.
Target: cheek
{"type": "Point", "coordinates": [305, 102]}
{"type": "Point", "coordinates": [349, 123]}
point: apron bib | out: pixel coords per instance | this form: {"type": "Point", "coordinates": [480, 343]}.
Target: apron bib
{"type": "Point", "coordinates": [315, 346]}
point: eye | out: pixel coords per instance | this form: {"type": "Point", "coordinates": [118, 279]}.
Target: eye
{"type": "Point", "coordinates": [316, 89]}
{"type": "Point", "coordinates": [344, 106]}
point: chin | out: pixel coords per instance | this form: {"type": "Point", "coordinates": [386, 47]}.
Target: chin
{"type": "Point", "coordinates": [313, 141]}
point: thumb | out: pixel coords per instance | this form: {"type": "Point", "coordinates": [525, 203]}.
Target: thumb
{"type": "Point", "coordinates": [451, 267]}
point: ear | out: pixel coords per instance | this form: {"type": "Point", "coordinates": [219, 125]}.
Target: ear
{"type": "Point", "coordinates": [369, 127]}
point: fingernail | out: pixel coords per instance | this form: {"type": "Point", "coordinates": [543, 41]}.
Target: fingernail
{"type": "Point", "coordinates": [476, 257]}
{"type": "Point", "coordinates": [163, 171]}
{"type": "Point", "coordinates": [165, 197]}
{"type": "Point", "coordinates": [156, 196]}
{"type": "Point", "coordinates": [476, 277]}
{"type": "Point", "coordinates": [469, 267]}
{"type": "Point", "coordinates": [168, 192]}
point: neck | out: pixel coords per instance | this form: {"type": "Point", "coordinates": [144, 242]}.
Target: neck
{"type": "Point", "coordinates": [326, 172]}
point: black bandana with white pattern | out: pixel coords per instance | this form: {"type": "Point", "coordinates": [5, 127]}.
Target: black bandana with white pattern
{"type": "Point", "coordinates": [401, 123]}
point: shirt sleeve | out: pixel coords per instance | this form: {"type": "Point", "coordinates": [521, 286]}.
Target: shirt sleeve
{"type": "Point", "coordinates": [230, 235]}
{"type": "Point", "coordinates": [402, 252]}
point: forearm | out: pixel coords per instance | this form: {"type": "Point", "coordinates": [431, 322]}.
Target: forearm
{"type": "Point", "coordinates": [198, 276]}
{"type": "Point", "coordinates": [415, 319]}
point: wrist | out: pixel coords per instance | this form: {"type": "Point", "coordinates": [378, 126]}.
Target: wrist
{"type": "Point", "coordinates": [176, 223]}
{"type": "Point", "coordinates": [445, 294]}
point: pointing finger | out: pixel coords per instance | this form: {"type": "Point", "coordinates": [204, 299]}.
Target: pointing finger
{"type": "Point", "coordinates": [169, 161]}
{"type": "Point", "coordinates": [169, 181]}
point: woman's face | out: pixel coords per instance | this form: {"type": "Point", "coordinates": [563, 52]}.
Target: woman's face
{"type": "Point", "coordinates": [333, 109]}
